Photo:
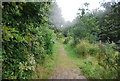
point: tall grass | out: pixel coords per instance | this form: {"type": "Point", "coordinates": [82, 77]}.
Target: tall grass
{"type": "Point", "coordinates": [97, 61]}
{"type": "Point", "coordinates": [44, 71]}
{"type": "Point", "coordinates": [85, 48]}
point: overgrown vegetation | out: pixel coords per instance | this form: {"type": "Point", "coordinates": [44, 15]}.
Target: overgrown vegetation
{"type": "Point", "coordinates": [95, 62]}
{"type": "Point", "coordinates": [44, 71]}
{"type": "Point", "coordinates": [94, 36]}
{"type": "Point", "coordinates": [30, 29]}
{"type": "Point", "coordinates": [27, 37]}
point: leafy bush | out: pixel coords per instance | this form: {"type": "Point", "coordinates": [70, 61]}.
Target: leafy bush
{"type": "Point", "coordinates": [27, 38]}
{"type": "Point", "coordinates": [66, 40]}
{"type": "Point", "coordinates": [85, 48]}
{"type": "Point", "coordinates": [71, 43]}
{"type": "Point", "coordinates": [107, 57]}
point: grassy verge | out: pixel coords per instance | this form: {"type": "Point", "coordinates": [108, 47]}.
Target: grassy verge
{"type": "Point", "coordinates": [43, 71]}
{"type": "Point", "coordinates": [88, 64]}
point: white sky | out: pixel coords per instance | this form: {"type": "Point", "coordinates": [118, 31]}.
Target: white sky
{"type": "Point", "coordinates": [69, 8]}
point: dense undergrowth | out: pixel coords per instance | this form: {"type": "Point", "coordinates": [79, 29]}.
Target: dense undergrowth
{"type": "Point", "coordinates": [44, 71]}
{"type": "Point", "coordinates": [27, 38]}
{"type": "Point", "coordinates": [29, 34]}
{"type": "Point", "coordinates": [97, 61]}
{"type": "Point", "coordinates": [94, 37]}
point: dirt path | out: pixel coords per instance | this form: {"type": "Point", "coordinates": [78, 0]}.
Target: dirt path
{"type": "Point", "coordinates": [65, 68]}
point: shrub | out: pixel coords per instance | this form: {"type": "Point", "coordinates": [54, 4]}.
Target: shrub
{"type": "Point", "coordinates": [66, 40]}
{"type": "Point", "coordinates": [27, 38]}
{"type": "Point", "coordinates": [85, 48]}
{"type": "Point", "coordinates": [71, 43]}
{"type": "Point", "coordinates": [107, 56]}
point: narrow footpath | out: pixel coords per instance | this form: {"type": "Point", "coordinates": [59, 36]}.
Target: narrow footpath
{"type": "Point", "coordinates": [65, 67]}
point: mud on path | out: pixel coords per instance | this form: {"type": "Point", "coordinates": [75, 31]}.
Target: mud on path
{"type": "Point", "coordinates": [65, 68]}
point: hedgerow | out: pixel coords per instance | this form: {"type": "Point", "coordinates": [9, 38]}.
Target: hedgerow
{"type": "Point", "coordinates": [26, 37]}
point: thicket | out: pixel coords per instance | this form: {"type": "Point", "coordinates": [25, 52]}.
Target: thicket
{"type": "Point", "coordinates": [26, 37]}
{"type": "Point", "coordinates": [106, 57]}
{"type": "Point", "coordinates": [97, 34]}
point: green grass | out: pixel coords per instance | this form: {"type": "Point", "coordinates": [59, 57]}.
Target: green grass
{"type": "Point", "coordinates": [87, 64]}
{"type": "Point", "coordinates": [44, 71]}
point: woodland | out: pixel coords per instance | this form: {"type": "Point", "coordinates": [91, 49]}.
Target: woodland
{"type": "Point", "coordinates": [33, 33]}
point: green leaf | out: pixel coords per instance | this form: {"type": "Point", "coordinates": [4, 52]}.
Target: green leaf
{"type": "Point", "coordinates": [20, 7]}
{"type": "Point", "coordinates": [13, 3]}
{"type": "Point", "coordinates": [20, 39]}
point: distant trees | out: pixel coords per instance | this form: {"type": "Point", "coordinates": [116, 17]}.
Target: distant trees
{"type": "Point", "coordinates": [100, 25]}
{"type": "Point", "coordinates": [110, 23]}
{"type": "Point", "coordinates": [55, 17]}
{"type": "Point", "coordinates": [56, 20]}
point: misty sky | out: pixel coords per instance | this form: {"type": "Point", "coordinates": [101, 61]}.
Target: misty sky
{"type": "Point", "coordinates": [70, 7]}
